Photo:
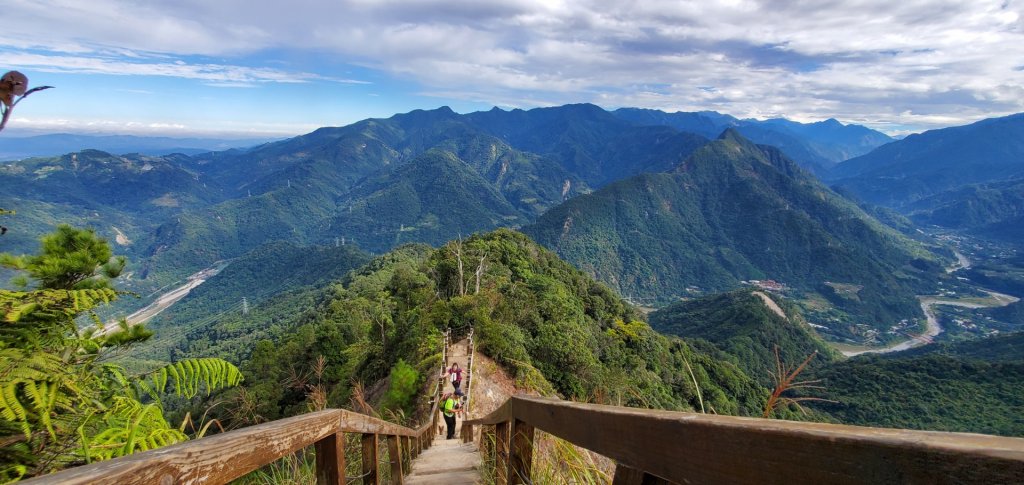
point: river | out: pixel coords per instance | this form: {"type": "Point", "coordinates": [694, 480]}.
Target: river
{"type": "Point", "coordinates": [169, 298]}
{"type": "Point", "coordinates": [928, 303]}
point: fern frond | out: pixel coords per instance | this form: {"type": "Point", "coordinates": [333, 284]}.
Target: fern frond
{"type": "Point", "coordinates": [190, 375]}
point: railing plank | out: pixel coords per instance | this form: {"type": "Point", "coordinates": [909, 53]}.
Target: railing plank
{"type": "Point", "coordinates": [330, 460]}
{"type": "Point", "coordinates": [395, 456]}
{"type": "Point", "coordinates": [502, 444]}
{"type": "Point", "coordinates": [520, 464]}
{"type": "Point", "coordinates": [216, 459]}
{"type": "Point", "coordinates": [625, 475]}
{"type": "Point", "coordinates": [698, 448]}
{"type": "Point", "coordinates": [370, 462]}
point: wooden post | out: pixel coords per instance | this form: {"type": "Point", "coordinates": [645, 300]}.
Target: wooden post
{"type": "Point", "coordinates": [625, 475]}
{"type": "Point", "coordinates": [330, 460]}
{"type": "Point", "coordinates": [501, 438]}
{"type": "Point", "coordinates": [406, 452]}
{"type": "Point", "coordinates": [395, 457]}
{"type": "Point", "coordinates": [520, 460]}
{"type": "Point", "coordinates": [370, 475]}
{"type": "Point", "coordinates": [466, 433]}
{"type": "Point", "coordinates": [487, 442]}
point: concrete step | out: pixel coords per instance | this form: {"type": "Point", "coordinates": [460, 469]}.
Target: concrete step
{"type": "Point", "coordinates": [453, 478]}
{"type": "Point", "coordinates": [448, 462]}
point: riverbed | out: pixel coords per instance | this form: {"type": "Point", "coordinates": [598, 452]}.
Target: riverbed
{"type": "Point", "coordinates": [933, 328]}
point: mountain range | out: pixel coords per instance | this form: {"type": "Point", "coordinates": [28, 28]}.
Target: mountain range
{"type": "Point", "coordinates": [923, 165]}
{"type": "Point", "coordinates": [736, 211]}
{"type": "Point", "coordinates": [672, 213]}
{"type": "Point", "coordinates": [16, 148]}
{"type": "Point", "coordinates": [815, 146]}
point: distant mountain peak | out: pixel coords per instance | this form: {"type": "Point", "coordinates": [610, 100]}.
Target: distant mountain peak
{"type": "Point", "coordinates": [732, 134]}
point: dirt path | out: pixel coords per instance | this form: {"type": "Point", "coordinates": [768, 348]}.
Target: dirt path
{"type": "Point", "coordinates": [771, 304]}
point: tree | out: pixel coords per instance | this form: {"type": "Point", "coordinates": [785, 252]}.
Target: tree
{"type": "Point", "coordinates": [61, 402]}
{"type": "Point", "coordinates": [70, 259]}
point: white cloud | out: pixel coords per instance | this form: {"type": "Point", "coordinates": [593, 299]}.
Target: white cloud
{"type": "Point", "coordinates": [25, 126]}
{"type": "Point", "coordinates": [924, 63]}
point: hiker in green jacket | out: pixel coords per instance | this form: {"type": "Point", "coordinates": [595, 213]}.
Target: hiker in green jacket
{"type": "Point", "coordinates": [448, 407]}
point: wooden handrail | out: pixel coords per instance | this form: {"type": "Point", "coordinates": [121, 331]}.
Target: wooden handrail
{"type": "Point", "coordinates": [221, 458]}
{"type": "Point", "coordinates": [226, 456]}
{"type": "Point", "coordinates": [700, 448]}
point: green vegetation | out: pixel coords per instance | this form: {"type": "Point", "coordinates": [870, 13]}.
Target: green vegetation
{"type": "Point", "coordinates": [994, 210]}
{"type": "Point", "coordinates": [745, 328]}
{"type": "Point", "coordinates": [815, 146]}
{"type": "Point", "coordinates": [402, 387]}
{"type": "Point", "coordinates": [61, 402]}
{"type": "Point", "coordinates": [556, 331]}
{"type": "Point", "coordinates": [734, 211]}
{"type": "Point", "coordinates": [210, 320]}
{"type": "Point", "coordinates": [930, 391]}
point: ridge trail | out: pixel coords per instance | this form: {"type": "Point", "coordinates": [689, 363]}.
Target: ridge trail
{"type": "Point", "coordinates": [450, 462]}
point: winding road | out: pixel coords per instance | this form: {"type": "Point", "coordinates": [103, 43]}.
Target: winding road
{"type": "Point", "coordinates": [928, 303]}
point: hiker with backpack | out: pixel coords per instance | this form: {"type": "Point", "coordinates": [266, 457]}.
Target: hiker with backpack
{"type": "Point", "coordinates": [449, 406]}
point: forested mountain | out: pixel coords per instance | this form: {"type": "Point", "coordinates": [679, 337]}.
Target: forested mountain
{"type": "Point", "coordinates": [588, 141]}
{"type": "Point", "coordinates": [554, 329]}
{"type": "Point", "coordinates": [123, 197]}
{"type": "Point", "coordinates": [971, 386]}
{"type": "Point", "coordinates": [995, 209]}
{"type": "Point", "coordinates": [374, 182]}
{"type": "Point", "coordinates": [747, 325]}
{"type": "Point", "coordinates": [929, 163]}
{"type": "Point", "coordinates": [272, 278]}
{"type": "Point", "coordinates": [814, 146]}
{"type": "Point", "coordinates": [736, 211]}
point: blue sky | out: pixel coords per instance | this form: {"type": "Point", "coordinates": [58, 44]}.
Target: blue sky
{"type": "Point", "coordinates": [257, 68]}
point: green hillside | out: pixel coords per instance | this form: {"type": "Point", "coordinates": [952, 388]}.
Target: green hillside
{"type": "Point", "coordinates": [735, 211]}
{"type": "Point", "coordinates": [554, 329]}
{"type": "Point", "coordinates": [111, 193]}
{"type": "Point", "coordinates": [933, 391]}
{"type": "Point", "coordinates": [744, 326]}
{"type": "Point", "coordinates": [978, 208]}
{"type": "Point", "coordinates": [438, 196]}
{"type": "Point", "coordinates": [209, 321]}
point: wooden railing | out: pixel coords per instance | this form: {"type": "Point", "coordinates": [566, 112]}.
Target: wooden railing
{"type": "Point", "coordinates": [469, 374]}
{"type": "Point", "coordinates": [224, 457]}
{"type": "Point", "coordinates": [652, 447]}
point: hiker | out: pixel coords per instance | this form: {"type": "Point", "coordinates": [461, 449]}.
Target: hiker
{"type": "Point", "coordinates": [455, 375]}
{"type": "Point", "coordinates": [449, 406]}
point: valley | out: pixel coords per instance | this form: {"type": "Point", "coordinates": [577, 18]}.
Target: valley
{"type": "Point", "coordinates": [165, 300]}
{"type": "Point", "coordinates": [325, 266]}
{"type": "Point", "coordinates": [668, 242]}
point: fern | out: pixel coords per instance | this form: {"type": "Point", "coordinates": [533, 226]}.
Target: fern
{"type": "Point", "coordinates": [129, 427]}
{"type": "Point", "coordinates": [190, 375]}
{"type": "Point", "coordinates": [55, 390]}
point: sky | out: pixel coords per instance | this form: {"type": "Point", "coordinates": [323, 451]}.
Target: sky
{"type": "Point", "coordinates": [272, 68]}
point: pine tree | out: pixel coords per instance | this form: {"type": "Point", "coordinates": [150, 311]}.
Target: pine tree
{"type": "Point", "coordinates": [61, 403]}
